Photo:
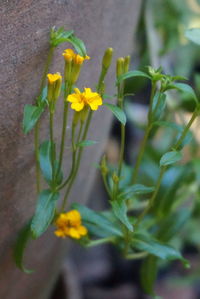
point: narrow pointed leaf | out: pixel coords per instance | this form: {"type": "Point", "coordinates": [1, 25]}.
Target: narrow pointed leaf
{"type": "Point", "coordinates": [86, 143]}
{"type": "Point", "coordinates": [186, 88]}
{"type": "Point", "coordinates": [20, 245]}
{"type": "Point", "coordinates": [120, 210]}
{"type": "Point", "coordinates": [170, 158]}
{"type": "Point", "coordinates": [45, 160]}
{"type": "Point", "coordinates": [118, 112]}
{"type": "Point", "coordinates": [132, 74]}
{"type": "Point", "coordinates": [78, 44]}
{"type": "Point", "coordinates": [31, 116]}
{"type": "Point", "coordinates": [135, 189]}
{"type": "Point", "coordinates": [45, 211]}
{"type": "Point", "coordinates": [96, 222]}
{"type": "Point", "coordinates": [145, 243]}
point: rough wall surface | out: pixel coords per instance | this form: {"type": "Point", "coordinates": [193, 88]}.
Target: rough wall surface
{"type": "Point", "coordinates": [25, 26]}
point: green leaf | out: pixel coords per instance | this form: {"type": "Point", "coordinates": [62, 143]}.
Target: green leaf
{"type": "Point", "coordinates": [148, 274]}
{"type": "Point", "coordinates": [170, 158]}
{"type": "Point", "coordinates": [31, 116]}
{"type": "Point", "coordinates": [45, 160]}
{"type": "Point", "coordinates": [86, 143]}
{"type": "Point", "coordinates": [135, 189]}
{"type": "Point", "coordinates": [186, 89]}
{"type": "Point", "coordinates": [45, 211]}
{"type": "Point", "coordinates": [118, 112]}
{"type": "Point", "coordinates": [193, 35]}
{"type": "Point", "coordinates": [132, 74]}
{"type": "Point", "coordinates": [97, 223]}
{"type": "Point", "coordinates": [78, 45]}
{"type": "Point", "coordinates": [20, 245]}
{"type": "Point", "coordinates": [171, 226]}
{"type": "Point", "coordinates": [42, 99]}
{"type": "Point", "coordinates": [145, 243]}
{"type": "Point", "coordinates": [59, 36]}
{"type": "Point", "coordinates": [176, 127]}
{"type": "Point", "coordinates": [159, 104]}
{"type": "Point", "coordinates": [120, 210]}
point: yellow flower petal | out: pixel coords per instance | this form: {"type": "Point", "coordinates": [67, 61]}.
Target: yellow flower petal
{"type": "Point", "coordinates": [82, 230]}
{"type": "Point", "coordinates": [60, 233]}
{"type": "Point", "coordinates": [73, 233]}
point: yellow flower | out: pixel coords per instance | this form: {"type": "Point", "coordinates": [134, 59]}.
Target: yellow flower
{"type": "Point", "coordinates": [52, 78]}
{"type": "Point", "coordinates": [80, 100]}
{"type": "Point", "coordinates": [69, 225]}
{"type": "Point", "coordinates": [70, 55]}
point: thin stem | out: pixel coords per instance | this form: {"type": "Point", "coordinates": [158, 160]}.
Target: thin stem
{"type": "Point", "coordinates": [36, 145]}
{"type": "Point", "coordinates": [100, 241]}
{"type": "Point", "coordinates": [146, 135]}
{"type": "Point", "coordinates": [136, 256]}
{"type": "Point", "coordinates": [164, 168]}
{"type": "Point", "coordinates": [64, 127]}
{"type": "Point", "coordinates": [73, 159]}
{"type": "Point", "coordinates": [74, 173]}
{"type": "Point", "coordinates": [36, 129]}
{"type": "Point", "coordinates": [52, 144]}
{"type": "Point", "coordinates": [106, 185]}
{"type": "Point", "coordinates": [46, 68]}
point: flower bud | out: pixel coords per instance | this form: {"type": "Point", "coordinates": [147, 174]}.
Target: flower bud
{"type": "Point", "coordinates": [107, 58]}
{"type": "Point", "coordinates": [120, 66]}
{"type": "Point", "coordinates": [115, 178]}
{"type": "Point", "coordinates": [75, 72]}
{"type": "Point", "coordinates": [126, 63]}
{"type": "Point", "coordinates": [67, 71]}
{"type": "Point", "coordinates": [57, 89]}
{"type": "Point", "coordinates": [103, 166]}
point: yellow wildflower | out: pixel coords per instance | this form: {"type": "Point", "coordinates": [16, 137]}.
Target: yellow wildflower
{"type": "Point", "coordinates": [70, 55]}
{"type": "Point", "coordinates": [52, 78]}
{"type": "Point", "coordinates": [80, 100]}
{"type": "Point", "coordinates": [69, 225]}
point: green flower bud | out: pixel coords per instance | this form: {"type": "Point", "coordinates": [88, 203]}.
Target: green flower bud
{"type": "Point", "coordinates": [120, 66]}
{"type": "Point", "coordinates": [107, 58]}
{"type": "Point", "coordinates": [126, 63]}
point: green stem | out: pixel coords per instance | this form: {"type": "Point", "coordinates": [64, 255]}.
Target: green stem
{"type": "Point", "coordinates": [46, 68]}
{"type": "Point", "coordinates": [136, 256]}
{"type": "Point", "coordinates": [106, 185]}
{"type": "Point", "coordinates": [146, 135]}
{"type": "Point", "coordinates": [36, 144]}
{"type": "Point", "coordinates": [74, 173]}
{"type": "Point", "coordinates": [52, 145]}
{"type": "Point", "coordinates": [101, 241]}
{"type": "Point", "coordinates": [67, 91]}
{"type": "Point", "coordinates": [164, 168]}
{"type": "Point", "coordinates": [36, 129]}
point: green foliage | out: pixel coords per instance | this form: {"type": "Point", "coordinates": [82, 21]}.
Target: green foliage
{"type": "Point", "coordinates": [31, 116]}
{"type": "Point", "coordinates": [20, 246]}
{"type": "Point", "coordinates": [193, 35]}
{"type": "Point", "coordinates": [45, 212]}
{"type": "Point", "coordinates": [118, 112]}
{"type": "Point", "coordinates": [97, 224]}
{"type": "Point", "coordinates": [120, 209]}
{"type": "Point", "coordinates": [132, 74]}
{"type": "Point", "coordinates": [170, 158]}
{"type": "Point", "coordinates": [86, 143]}
{"type": "Point", "coordinates": [148, 274]}
{"type": "Point", "coordinates": [136, 189]}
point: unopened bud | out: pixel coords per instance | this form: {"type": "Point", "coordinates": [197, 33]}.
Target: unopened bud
{"type": "Point", "coordinates": [75, 72]}
{"type": "Point", "coordinates": [107, 58]}
{"type": "Point", "coordinates": [115, 178]}
{"type": "Point", "coordinates": [120, 66]}
{"type": "Point", "coordinates": [103, 165]}
{"type": "Point", "coordinates": [126, 63]}
{"type": "Point", "coordinates": [57, 88]}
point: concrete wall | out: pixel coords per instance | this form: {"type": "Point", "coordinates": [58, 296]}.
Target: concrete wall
{"type": "Point", "coordinates": [24, 33]}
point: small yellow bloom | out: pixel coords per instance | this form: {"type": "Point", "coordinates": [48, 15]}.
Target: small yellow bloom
{"type": "Point", "coordinates": [69, 225]}
{"type": "Point", "coordinates": [52, 78]}
{"type": "Point", "coordinates": [80, 100]}
{"type": "Point", "coordinates": [70, 55]}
